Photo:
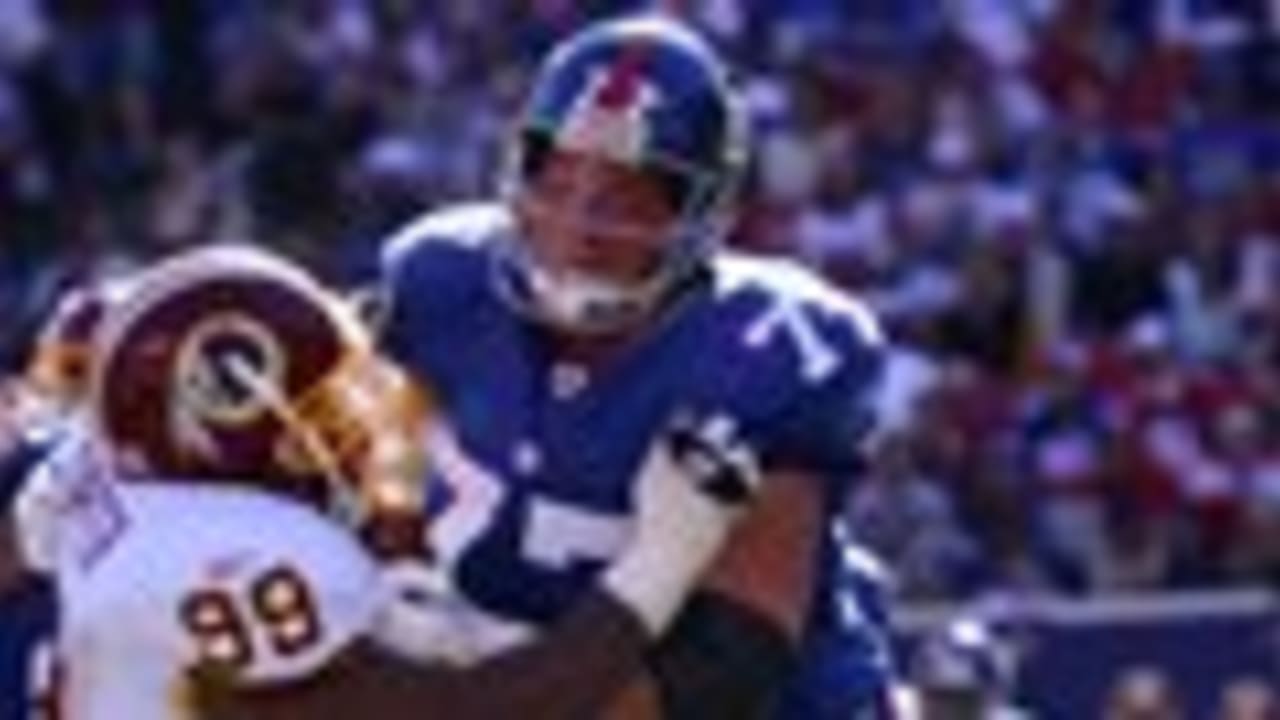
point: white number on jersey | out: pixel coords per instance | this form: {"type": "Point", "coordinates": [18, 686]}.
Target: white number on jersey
{"type": "Point", "coordinates": [790, 319]}
{"type": "Point", "coordinates": [559, 535]}
{"type": "Point", "coordinates": [555, 536]}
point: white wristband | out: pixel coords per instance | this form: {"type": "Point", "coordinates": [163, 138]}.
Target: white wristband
{"type": "Point", "coordinates": [679, 532]}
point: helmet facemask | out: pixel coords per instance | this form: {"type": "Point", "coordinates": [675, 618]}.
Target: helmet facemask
{"type": "Point", "coordinates": [696, 208]}
{"type": "Point", "coordinates": [362, 430]}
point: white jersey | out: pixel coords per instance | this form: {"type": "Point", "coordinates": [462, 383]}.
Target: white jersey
{"type": "Point", "coordinates": [153, 577]}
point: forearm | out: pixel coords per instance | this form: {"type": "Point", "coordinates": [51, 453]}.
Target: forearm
{"type": "Point", "coordinates": [722, 660]}
{"type": "Point", "coordinates": [770, 562]}
{"type": "Point", "coordinates": [572, 671]}
{"type": "Point", "coordinates": [734, 646]}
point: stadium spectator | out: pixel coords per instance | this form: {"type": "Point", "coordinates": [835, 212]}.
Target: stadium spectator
{"type": "Point", "coordinates": [1248, 699]}
{"type": "Point", "coordinates": [1143, 693]}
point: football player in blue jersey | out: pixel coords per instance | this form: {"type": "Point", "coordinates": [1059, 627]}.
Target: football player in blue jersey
{"type": "Point", "coordinates": [565, 326]}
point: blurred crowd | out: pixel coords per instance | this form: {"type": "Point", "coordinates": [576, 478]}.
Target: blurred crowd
{"type": "Point", "coordinates": [1066, 211]}
{"type": "Point", "coordinates": [1146, 693]}
{"type": "Point", "coordinates": [967, 668]}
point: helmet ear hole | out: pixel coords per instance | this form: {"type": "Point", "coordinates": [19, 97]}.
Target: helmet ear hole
{"type": "Point", "coordinates": [534, 149]}
{"type": "Point", "coordinates": [677, 187]}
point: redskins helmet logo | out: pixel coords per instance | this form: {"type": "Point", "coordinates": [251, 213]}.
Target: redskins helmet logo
{"type": "Point", "coordinates": [200, 370]}
{"type": "Point", "coordinates": [222, 366]}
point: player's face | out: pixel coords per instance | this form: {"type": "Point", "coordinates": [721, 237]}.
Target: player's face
{"type": "Point", "coordinates": [590, 216]}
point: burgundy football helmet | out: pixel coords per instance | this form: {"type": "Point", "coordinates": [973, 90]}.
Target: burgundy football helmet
{"type": "Point", "coordinates": [231, 364]}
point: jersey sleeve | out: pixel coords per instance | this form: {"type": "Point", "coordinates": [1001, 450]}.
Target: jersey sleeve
{"type": "Point", "coordinates": [409, 268]}
{"type": "Point", "coordinates": [827, 428]}
{"type": "Point", "coordinates": [798, 363]}
{"type": "Point", "coordinates": [433, 274]}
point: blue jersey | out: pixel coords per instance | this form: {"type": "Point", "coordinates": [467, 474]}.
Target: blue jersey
{"type": "Point", "coordinates": [848, 665]}
{"type": "Point", "coordinates": [791, 359]}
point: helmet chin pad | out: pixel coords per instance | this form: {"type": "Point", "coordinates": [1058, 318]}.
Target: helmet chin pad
{"type": "Point", "coordinates": [583, 303]}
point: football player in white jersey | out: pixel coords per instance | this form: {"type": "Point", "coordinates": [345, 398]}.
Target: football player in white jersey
{"type": "Point", "coordinates": [235, 410]}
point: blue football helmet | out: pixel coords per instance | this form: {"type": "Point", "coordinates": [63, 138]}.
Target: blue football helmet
{"type": "Point", "coordinates": [647, 93]}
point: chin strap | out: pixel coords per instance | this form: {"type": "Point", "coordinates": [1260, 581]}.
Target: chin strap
{"type": "Point", "coordinates": [588, 304]}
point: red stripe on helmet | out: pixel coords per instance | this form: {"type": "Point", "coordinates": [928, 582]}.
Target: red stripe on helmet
{"type": "Point", "coordinates": [621, 87]}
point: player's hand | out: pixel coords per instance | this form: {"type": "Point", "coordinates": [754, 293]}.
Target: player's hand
{"type": "Point", "coordinates": [694, 485]}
